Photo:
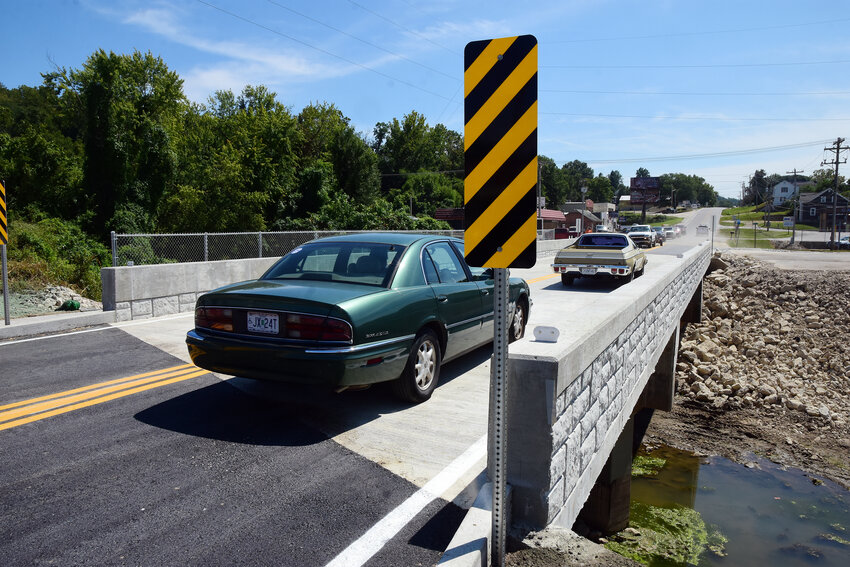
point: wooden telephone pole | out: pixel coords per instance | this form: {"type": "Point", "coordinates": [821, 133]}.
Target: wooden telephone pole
{"type": "Point", "coordinates": [796, 198]}
{"type": "Point", "coordinates": [837, 148]}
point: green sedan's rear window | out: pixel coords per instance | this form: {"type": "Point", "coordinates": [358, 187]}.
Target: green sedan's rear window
{"type": "Point", "coordinates": [353, 262]}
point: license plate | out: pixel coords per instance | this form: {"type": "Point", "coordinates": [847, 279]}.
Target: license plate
{"type": "Point", "coordinates": [263, 323]}
{"type": "Point", "coordinates": [588, 271]}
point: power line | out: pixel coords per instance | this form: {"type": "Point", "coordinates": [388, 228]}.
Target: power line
{"type": "Point", "coordinates": [366, 42]}
{"type": "Point", "coordinates": [710, 155]}
{"type": "Point", "coordinates": [401, 27]}
{"type": "Point", "coordinates": [704, 66]}
{"type": "Point", "coordinates": [697, 33]}
{"type": "Point", "coordinates": [715, 118]}
{"type": "Point", "coordinates": [320, 50]}
{"type": "Point", "coordinates": [694, 93]}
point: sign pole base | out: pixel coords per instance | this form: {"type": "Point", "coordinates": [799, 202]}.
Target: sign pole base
{"type": "Point", "coordinates": [5, 284]}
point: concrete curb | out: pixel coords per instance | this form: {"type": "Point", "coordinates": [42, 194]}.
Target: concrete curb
{"type": "Point", "coordinates": [470, 546]}
{"type": "Point", "coordinates": [55, 322]}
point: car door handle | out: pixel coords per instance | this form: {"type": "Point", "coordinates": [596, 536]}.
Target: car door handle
{"type": "Point", "coordinates": [442, 298]}
{"type": "Point", "coordinates": [485, 292]}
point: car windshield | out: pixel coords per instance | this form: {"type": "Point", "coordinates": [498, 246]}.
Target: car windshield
{"type": "Point", "coordinates": [365, 263]}
{"type": "Point", "coordinates": [640, 228]}
{"type": "Point", "coordinates": [603, 240]}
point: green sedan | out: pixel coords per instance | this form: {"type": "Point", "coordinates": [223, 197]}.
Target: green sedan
{"type": "Point", "coordinates": [354, 310]}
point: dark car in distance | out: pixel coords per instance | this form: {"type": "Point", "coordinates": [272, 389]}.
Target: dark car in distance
{"type": "Point", "coordinates": [354, 310]}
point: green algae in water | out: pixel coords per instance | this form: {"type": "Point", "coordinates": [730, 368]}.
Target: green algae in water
{"type": "Point", "coordinates": [772, 515]}
{"type": "Point", "coordinates": [667, 536]}
{"type": "Point", "coordinates": [643, 465]}
{"type": "Point", "coordinates": [834, 539]}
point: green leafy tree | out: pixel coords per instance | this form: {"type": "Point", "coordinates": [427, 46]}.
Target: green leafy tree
{"type": "Point", "coordinates": [355, 165]}
{"type": "Point", "coordinates": [616, 179]}
{"type": "Point", "coordinates": [599, 189]}
{"type": "Point", "coordinates": [238, 165]}
{"type": "Point", "coordinates": [755, 191]}
{"type": "Point", "coordinates": [126, 105]}
{"type": "Point", "coordinates": [554, 185]}
{"type": "Point", "coordinates": [576, 174]}
{"type": "Point", "coordinates": [410, 146]}
{"type": "Point", "coordinates": [426, 193]}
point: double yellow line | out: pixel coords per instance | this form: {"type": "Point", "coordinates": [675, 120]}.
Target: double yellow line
{"type": "Point", "coordinates": [27, 411]}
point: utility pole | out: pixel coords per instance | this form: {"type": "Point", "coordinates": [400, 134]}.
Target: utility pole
{"type": "Point", "coordinates": [838, 148]}
{"type": "Point", "coordinates": [796, 198]}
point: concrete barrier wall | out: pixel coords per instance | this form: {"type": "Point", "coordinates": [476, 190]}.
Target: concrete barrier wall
{"type": "Point", "coordinates": [568, 402]}
{"type": "Point", "coordinates": [141, 292]}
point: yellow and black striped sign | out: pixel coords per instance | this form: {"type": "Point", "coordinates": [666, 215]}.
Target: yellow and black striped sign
{"type": "Point", "coordinates": [500, 151]}
{"type": "Point", "coordinates": [4, 225]}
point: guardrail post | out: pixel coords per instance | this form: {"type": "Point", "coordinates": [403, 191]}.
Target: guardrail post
{"type": "Point", "coordinates": [260, 244]}
{"type": "Point", "coordinates": [114, 249]}
{"type": "Point", "coordinates": [206, 248]}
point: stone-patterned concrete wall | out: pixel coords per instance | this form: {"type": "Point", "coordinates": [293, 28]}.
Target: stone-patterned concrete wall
{"type": "Point", "coordinates": [142, 292]}
{"type": "Point", "coordinates": [560, 438]}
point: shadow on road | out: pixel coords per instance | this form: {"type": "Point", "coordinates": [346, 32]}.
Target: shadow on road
{"type": "Point", "coordinates": [242, 410]}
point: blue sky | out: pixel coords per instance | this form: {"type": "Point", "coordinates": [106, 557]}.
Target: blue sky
{"type": "Point", "coordinates": [717, 89]}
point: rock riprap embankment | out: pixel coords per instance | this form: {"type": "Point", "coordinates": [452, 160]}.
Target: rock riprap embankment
{"type": "Point", "coordinates": [770, 338]}
{"type": "Point", "coordinates": [47, 300]}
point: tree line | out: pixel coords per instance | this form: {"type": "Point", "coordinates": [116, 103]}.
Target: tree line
{"type": "Point", "coordinates": [116, 145]}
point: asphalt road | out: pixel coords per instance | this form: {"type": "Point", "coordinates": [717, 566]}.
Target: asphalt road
{"type": "Point", "coordinates": [115, 451]}
{"type": "Point", "coordinates": [194, 472]}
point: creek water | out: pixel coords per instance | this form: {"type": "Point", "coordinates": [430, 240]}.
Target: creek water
{"type": "Point", "coordinates": [771, 515]}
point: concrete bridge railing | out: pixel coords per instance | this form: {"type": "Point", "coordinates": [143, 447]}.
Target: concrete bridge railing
{"type": "Point", "coordinates": [570, 403]}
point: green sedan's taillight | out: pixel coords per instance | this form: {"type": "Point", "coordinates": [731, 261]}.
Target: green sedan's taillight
{"type": "Point", "coordinates": [313, 328]}
{"type": "Point", "coordinates": [214, 318]}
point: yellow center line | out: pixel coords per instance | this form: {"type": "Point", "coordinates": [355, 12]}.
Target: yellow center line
{"type": "Point", "coordinates": [114, 396]}
{"type": "Point", "coordinates": [541, 278]}
{"type": "Point", "coordinates": [64, 401]}
{"type": "Point", "coordinates": [95, 386]}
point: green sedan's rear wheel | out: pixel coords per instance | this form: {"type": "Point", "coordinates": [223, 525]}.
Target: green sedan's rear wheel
{"type": "Point", "coordinates": [517, 329]}
{"type": "Point", "coordinates": [420, 375]}
{"type": "Point", "coordinates": [567, 280]}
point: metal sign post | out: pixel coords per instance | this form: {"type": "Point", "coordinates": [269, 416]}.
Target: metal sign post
{"type": "Point", "coordinates": [498, 392]}
{"type": "Point", "coordinates": [4, 238]}
{"type": "Point", "coordinates": [5, 285]}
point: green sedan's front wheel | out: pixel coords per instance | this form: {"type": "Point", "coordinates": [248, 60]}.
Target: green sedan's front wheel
{"type": "Point", "coordinates": [422, 371]}
{"type": "Point", "coordinates": [517, 329]}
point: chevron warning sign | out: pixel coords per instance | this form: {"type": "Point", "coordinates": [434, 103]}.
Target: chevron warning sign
{"type": "Point", "coordinates": [500, 150]}
{"type": "Point", "coordinates": [4, 225]}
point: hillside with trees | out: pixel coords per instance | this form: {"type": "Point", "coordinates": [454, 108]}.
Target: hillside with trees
{"type": "Point", "coordinates": [115, 145]}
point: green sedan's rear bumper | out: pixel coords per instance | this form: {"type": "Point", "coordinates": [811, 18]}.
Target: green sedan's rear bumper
{"type": "Point", "coordinates": [246, 357]}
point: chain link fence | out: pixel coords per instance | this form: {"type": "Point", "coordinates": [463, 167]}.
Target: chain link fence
{"type": "Point", "coordinates": [142, 249]}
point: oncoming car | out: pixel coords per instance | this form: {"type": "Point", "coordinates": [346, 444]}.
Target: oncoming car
{"type": "Point", "coordinates": [599, 254]}
{"type": "Point", "coordinates": [354, 310]}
